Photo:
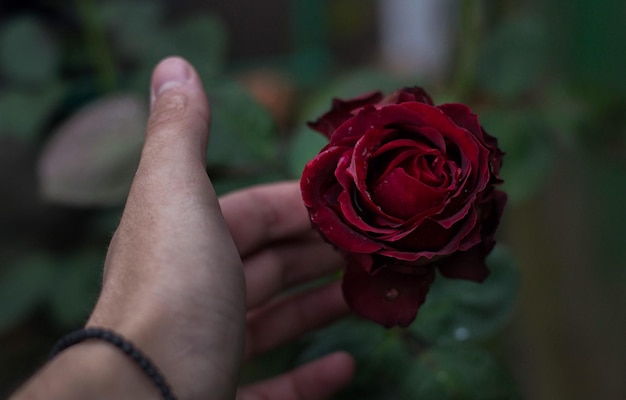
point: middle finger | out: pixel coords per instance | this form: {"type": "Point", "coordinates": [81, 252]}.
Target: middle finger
{"type": "Point", "coordinates": [287, 264]}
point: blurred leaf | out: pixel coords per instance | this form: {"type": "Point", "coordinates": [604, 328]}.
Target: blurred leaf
{"type": "Point", "coordinates": [243, 132]}
{"type": "Point", "coordinates": [566, 115]}
{"type": "Point", "coordinates": [24, 113]}
{"type": "Point", "coordinates": [28, 52]}
{"type": "Point", "coordinates": [307, 143]}
{"type": "Point", "coordinates": [590, 41]}
{"type": "Point", "coordinates": [134, 25]}
{"type": "Point", "coordinates": [602, 180]}
{"type": "Point", "coordinates": [380, 355]}
{"type": "Point", "coordinates": [458, 310]}
{"type": "Point", "coordinates": [305, 146]}
{"type": "Point", "coordinates": [23, 285]}
{"type": "Point", "coordinates": [514, 56]}
{"type": "Point", "coordinates": [76, 287]}
{"type": "Point", "coordinates": [460, 372]}
{"type": "Point", "coordinates": [202, 41]}
{"type": "Point", "coordinates": [525, 139]}
{"type": "Point", "coordinates": [91, 159]}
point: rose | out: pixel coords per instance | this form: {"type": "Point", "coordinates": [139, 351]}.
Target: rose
{"type": "Point", "coordinates": [403, 188]}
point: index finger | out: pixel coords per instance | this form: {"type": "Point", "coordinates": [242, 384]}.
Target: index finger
{"type": "Point", "coordinates": [264, 214]}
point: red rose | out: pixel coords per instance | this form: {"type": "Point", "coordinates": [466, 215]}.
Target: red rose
{"type": "Point", "coordinates": [404, 188]}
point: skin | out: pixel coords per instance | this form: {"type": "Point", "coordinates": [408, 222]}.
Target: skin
{"type": "Point", "coordinates": [196, 282]}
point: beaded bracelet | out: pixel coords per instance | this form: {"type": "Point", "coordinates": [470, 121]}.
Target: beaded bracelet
{"type": "Point", "coordinates": [123, 344]}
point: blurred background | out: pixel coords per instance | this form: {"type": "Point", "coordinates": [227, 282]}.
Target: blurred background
{"type": "Point", "coordinates": [547, 78]}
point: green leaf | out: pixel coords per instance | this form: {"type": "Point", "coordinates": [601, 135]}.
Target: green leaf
{"type": "Point", "coordinates": [76, 287]}
{"type": "Point", "coordinates": [91, 159]}
{"type": "Point", "coordinates": [380, 355]}
{"type": "Point", "coordinates": [243, 133]}
{"type": "Point", "coordinates": [28, 52]}
{"type": "Point", "coordinates": [458, 310]}
{"type": "Point", "coordinates": [23, 114]}
{"type": "Point", "coordinates": [133, 26]}
{"type": "Point", "coordinates": [514, 56]}
{"type": "Point", "coordinates": [460, 372]}
{"type": "Point", "coordinates": [202, 41]}
{"type": "Point", "coordinates": [527, 142]}
{"type": "Point", "coordinates": [23, 286]}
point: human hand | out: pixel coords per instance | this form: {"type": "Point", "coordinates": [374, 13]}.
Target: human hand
{"type": "Point", "coordinates": [173, 278]}
{"type": "Point", "coordinates": [177, 270]}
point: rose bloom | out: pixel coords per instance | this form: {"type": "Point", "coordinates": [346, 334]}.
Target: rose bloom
{"type": "Point", "coordinates": [404, 188]}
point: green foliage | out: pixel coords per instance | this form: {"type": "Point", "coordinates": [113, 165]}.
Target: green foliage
{"type": "Point", "coordinates": [23, 285]}
{"type": "Point", "coordinates": [402, 364]}
{"type": "Point", "coordinates": [437, 357]}
{"type": "Point", "coordinates": [527, 142]}
{"type": "Point", "coordinates": [68, 286]}
{"type": "Point", "coordinates": [76, 285]}
{"type": "Point", "coordinates": [28, 52]}
{"type": "Point", "coordinates": [514, 58]}
{"type": "Point", "coordinates": [381, 356]}
{"type": "Point", "coordinates": [23, 113]}
{"type": "Point", "coordinates": [460, 311]}
{"type": "Point", "coordinates": [242, 133]}
{"type": "Point", "coordinates": [460, 372]}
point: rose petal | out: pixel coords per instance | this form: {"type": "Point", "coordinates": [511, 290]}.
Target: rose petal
{"type": "Point", "coordinates": [468, 265]}
{"type": "Point", "coordinates": [403, 196]}
{"type": "Point", "coordinates": [408, 94]}
{"type": "Point", "coordinates": [385, 296]}
{"type": "Point", "coordinates": [463, 117]}
{"type": "Point", "coordinates": [314, 183]}
{"type": "Point", "coordinates": [341, 111]}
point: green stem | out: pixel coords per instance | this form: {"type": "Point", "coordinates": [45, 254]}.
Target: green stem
{"type": "Point", "coordinates": [469, 46]}
{"type": "Point", "coordinates": [101, 56]}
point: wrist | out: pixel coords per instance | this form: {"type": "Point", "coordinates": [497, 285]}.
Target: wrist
{"type": "Point", "coordinates": [92, 369]}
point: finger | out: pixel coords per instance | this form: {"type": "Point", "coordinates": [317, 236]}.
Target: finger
{"type": "Point", "coordinates": [265, 213]}
{"type": "Point", "coordinates": [287, 264]}
{"type": "Point", "coordinates": [314, 381]}
{"type": "Point", "coordinates": [291, 316]}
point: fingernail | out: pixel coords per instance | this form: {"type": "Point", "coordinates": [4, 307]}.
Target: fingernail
{"type": "Point", "coordinates": [170, 73]}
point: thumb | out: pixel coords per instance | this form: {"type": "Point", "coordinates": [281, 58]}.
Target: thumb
{"type": "Point", "coordinates": [178, 126]}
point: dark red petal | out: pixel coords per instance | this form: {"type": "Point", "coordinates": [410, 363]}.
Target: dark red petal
{"type": "Point", "coordinates": [341, 111]}
{"type": "Point", "coordinates": [469, 265]}
{"type": "Point", "coordinates": [403, 196]}
{"type": "Point", "coordinates": [463, 117]}
{"type": "Point", "coordinates": [317, 180]}
{"type": "Point", "coordinates": [387, 297]}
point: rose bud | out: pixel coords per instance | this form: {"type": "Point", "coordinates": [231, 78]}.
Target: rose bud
{"type": "Point", "coordinates": [403, 188]}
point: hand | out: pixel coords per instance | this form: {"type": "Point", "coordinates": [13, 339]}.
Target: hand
{"type": "Point", "coordinates": [179, 267]}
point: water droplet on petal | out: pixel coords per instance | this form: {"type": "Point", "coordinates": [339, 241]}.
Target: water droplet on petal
{"type": "Point", "coordinates": [392, 294]}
